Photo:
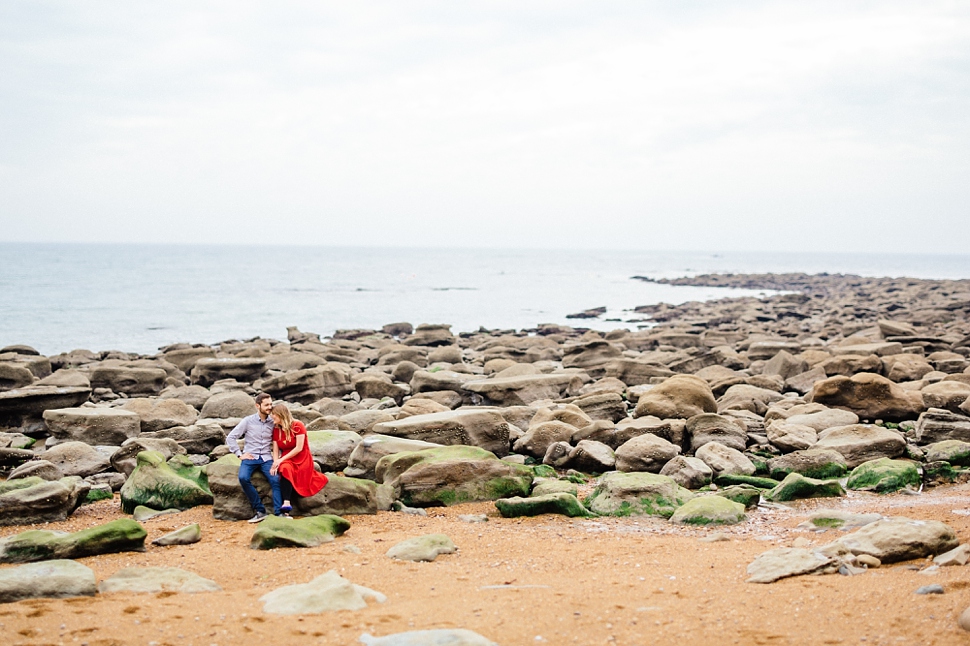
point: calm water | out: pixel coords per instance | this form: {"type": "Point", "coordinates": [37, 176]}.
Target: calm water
{"type": "Point", "coordinates": [139, 297]}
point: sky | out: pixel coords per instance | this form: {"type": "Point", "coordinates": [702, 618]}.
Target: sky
{"type": "Point", "coordinates": [734, 126]}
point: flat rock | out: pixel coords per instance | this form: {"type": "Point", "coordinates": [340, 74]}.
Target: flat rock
{"type": "Point", "coordinates": [838, 519]}
{"type": "Point", "coordinates": [900, 539]}
{"type": "Point", "coordinates": [184, 536]}
{"type": "Point", "coordinates": [77, 459]}
{"type": "Point", "coordinates": [422, 548]}
{"type": "Point", "coordinates": [437, 637]}
{"type": "Point", "coordinates": [275, 531]}
{"type": "Point", "coordinates": [54, 579]}
{"type": "Point", "coordinates": [123, 535]}
{"type": "Point", "coordinates": [485, 429]}
{"type": "Point", "coordinates": [326, 593]}
{"type": "Point", "coordinates": [959, 555]}
{"type": "Point", "coordinates": [860, 443]}
{"type": "Point", "coordinates": [156, 579]}
{"type": "Point", "coordinates": [884, 476]}
{"type": "Point", "coordinates": [563, 503]}
{"type": "Point", "coordinates": [709, 510]}
{"type": "Point", "coordinates": [35, 500]}
{"type": "Point", "coordinates": [784, 562]}
{"type": "Point", "coordinates": [640, 494]}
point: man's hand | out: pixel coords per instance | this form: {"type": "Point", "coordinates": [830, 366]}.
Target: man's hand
{"type": "Point", "coordinates": [248, 456]}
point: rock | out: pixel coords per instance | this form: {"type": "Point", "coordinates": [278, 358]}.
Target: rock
{"type": "Point", "coordinates": [838, 519]}
{"type": "Point", "coordinates": [373, 386]}
{"type": "Point", "coordinates": [900, 539]}
{"type": "Point", "coordinates": [186, 358]}
{"type": "Point", "coordinates": [125, 458]}
{"type": "Point", "coordinates": [228, 500]}
{"type": "Point", "coordinates": [55, 579]}
{"type": "Point", "coordinates": [959, 555]}
{"type": "Point", "coordinates": [195, 396]}
{"type": "Point", "coordinates": [207, 371]}
{"type": "Point", "coordinates": [365, 456]}
{"type": "Point", "coordinates": [276, 532]}
{"type": "Point", "coordinates": [94, 426]}
{"type": "Point", "coordinates": [422, 548]}
{"type": "Point", "coordinates": [158, 414]}
{"type": "Point", "coordinates": [557, 455]}
{"type": "Point", "coordinates": [823, 463]}
{"type": "Point", "coordinates": [185, 536]}
{"type": "Point", "coordinates": [935, 588]}
{"type": "Point", "coordinates": [590, 354]}
{"type": "Point", "coordinates": [432, 335]}
{"type": "Point", "coordinates": [645, 453]}
{"type": "Point", "coordinates": [307, 386]}
{"type": "Point", "coordinates": [485, 429]}
{"type": "Point", "coordinates": [953, 451]}
{"type": "Point", "coordinates": [804, 382]}
{"type": "Point", "coordinates": [821, 420]}
{"type": "Point", "coordinates": [326, 593]}
{"type": "Point", "coordinates": [34, 500]}
{"type": "Point", "coordinates": [521, 390]}
{"type": "Point", "coordinates": [421, 406]}
{"type": "Point", "coordinates": [128, 380]}
{"type": "Point", "coordinates": [747, 397]}
{"type": "Point", "coordinates": [77, 459]}
{"type": "Point", "coordinates": [947, 395]}
{"type": "Point", "coordinates": [541, 436]}
{"type": "Point", "coordinates": [688, 472]}
{"type": "Point", "coordinates": [28, 404]}
{"type": "Point", "coordinates": [228, 405]}
{"type": "Point", "coordinates": [709, 427]}
{"type": "Point", "coordinates": [436, 637]}
{"type": "Point", "coordinates": [451, 475]}
{"type": "Point", "coordinates": [784, 562]}
{"type": "Point", "coordinates": [13, 375]}
{"type": "Point", "coordinates": [768, 349]}
{"type": "Point", "coordinates": [566, 413]}
{"type": "Point", "coordinates": [545, 486]}
{"type": "Point", "coordinates": [791, 437]}
{"type": "Point", "coordinates": [869, 396]}
{"type": "Point", "coordinates": [363, 421]}
{"type": "Point", "coordinates": [13, 458]}
{"type": "Point", "coordinates": [640, 494]}
{"type": "Point", "coordinates": [37, 469]}
{"type": "Point", "coordinates": [785, 365]}
{"type": "Point", "coordinates": [332, 449]}
{"type": "Point", "coordinates": [198, 439]}
{"type": "Point", "coordinates": [884, 476]}
{"type": "Point", "coordinates": [936, 425]}
{"type": "Point", "coordinates": [156, 579]}
{"type": "Point", "coordinates": [796, 486]}
{"type": "Point", "coordinates": [906, 367]}
{"type": "Point", "coordinates": [724, 460]}
{"type": "Point", "coordinates": [680, 396]}
{"type": "Point", "coordinates": [344, 496]}
{"type": "Point", "coordinates": [590, 456]}
{"type": "Point", "coordinates": [123, 535]}
{"type": "Point", "coordinates": [110, 478]}
{"type": "Point", "coordinates": [634, 373]}
{"type": "Point", "coordinates": [672, 430]}
{"type": "Point", "coordinates": [608, 406]}
{"type": "Point", "coordinates": [709, 510]}
{"type": "Point", "coordinates": [562, 503]}
{"type": "Point", "coordinates": [745, 495]}
{"type": "Point", "coordinates": [98, 492]}
{"type": "Point", "coordinates": [732, 479]}
{"type": "Point", "coordinates": [860, 443]}
{"type": "Point", "coordinates": [435, 380]}
{"type": "Point", "coordinates": [964, 620]}
{"type": "Point", "coordinates": [159, 484]}
{"type": "Point", "coordinates": [142, 513]}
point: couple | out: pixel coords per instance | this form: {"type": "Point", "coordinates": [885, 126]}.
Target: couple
{"type": "Point", "coordinates": [276, 444]}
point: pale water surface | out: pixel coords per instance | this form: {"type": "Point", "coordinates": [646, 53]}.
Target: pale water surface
{"type": "Point", "coordinates": [58, 297]}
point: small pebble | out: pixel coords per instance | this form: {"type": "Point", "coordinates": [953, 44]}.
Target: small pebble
{"type": "Point", "coordinates": [936, 588]}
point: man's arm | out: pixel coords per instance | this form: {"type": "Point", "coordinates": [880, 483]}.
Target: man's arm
{"type": "Point", "coordinates": [232, 440]}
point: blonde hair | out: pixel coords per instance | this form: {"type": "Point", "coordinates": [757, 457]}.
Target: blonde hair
{"type": "Point", "coordinates": [286, 420]}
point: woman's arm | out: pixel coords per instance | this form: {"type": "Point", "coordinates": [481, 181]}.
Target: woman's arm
{"type": "Point", "coordinates": [300, 443]}
{"type": "Point", "coordinates": [276, 459]}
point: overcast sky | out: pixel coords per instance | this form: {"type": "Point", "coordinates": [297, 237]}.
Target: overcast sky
{"type": "Point", "coordinates": [798, 126]}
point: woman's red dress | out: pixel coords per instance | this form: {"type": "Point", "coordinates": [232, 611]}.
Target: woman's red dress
{"type": "Point", "coordinates": [299, 470]}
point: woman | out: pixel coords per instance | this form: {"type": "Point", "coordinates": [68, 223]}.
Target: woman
{"type": "Point", "coordinates": [292, 458]}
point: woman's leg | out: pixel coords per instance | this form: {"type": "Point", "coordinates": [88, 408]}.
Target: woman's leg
{"type": "Point", "coordinates": [286, 488]}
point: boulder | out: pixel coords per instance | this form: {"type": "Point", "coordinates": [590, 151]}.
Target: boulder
{"type": "Point", "coordinates": [432, 335]}
{"type": "Point", "coordinates": [724, 460]}
{"type": "Point", "coordinates": [796, 486]}
{"type": "Point", "coordinates": [155, 580]}
{"type": "Point", "coordinates": [819, 420]}
{"type": "Point", "coordinates": [343, 496]}
{"type": "Point", "coordinates": [327, 593]}
{"type": "Point", "coordinates": [421, 406]}
{"type": "Point", "coordinates": [196, 439]}
{"type": "Point", "coordinates": [608, 406]}
{"type": "Point", "coordinates": [955, 452]}
{"type": "Point", "coordinates": [639, 494]}
{"type": "Point", "coordinates": [522, 390]}
{"type": "Point", "coordinates": [709, 427]}
{"type": "Point", "coordinates": [365, 456]}
{"type": "Point", "coordinates": [948, 395]}
{"type": "Point", "coordinates": [158, 414]}
{"type": "Point", "coordinates": [709, 510]}
{"type": "Point", "coordinates": [634, 373]}
{"type": "Point", "coordinates": [186, 358]}
{"type": "Point", "coordinates": [884, 476]}
{"type": "Point", "coordinates": [128, 380]}
{"type": "Point", "coordinates": [860, 443]}
{"type": "Point", "coordinates": [589, 456]}
{"type": "Point", "coordinates": [486, 429]}
{"type": "Point", "coordinates": [276, 532]}
{"type": "Point", "coordinates": [784, 365]}
{"type": "Point", "coordinates": [451, 475]}
{"type": "Point", "coordinates": [906, 367]}
{"type": "Point", "coordinates": [822, 463]}
{"type": "Point", "coordinates": [77, 459]}
{"type": "Point", "coordinates": [94, 426]}
{"type": "Point", "coordinates": [431, 381]}
{"type": "Point", "coordinates": [540, 437]}
{"type": "Point", "coordinates": [228, 405]}
{"type": "Point", "coordinates": [561, 503]}
{"type": "Point", "coordinates": [228, 500]}
{"type": "Point", "coordinates": [307, 386]}
{"type": "Point", "coordinates": [672, 430]}
{"type": "Point", "coordinates": [37, 469]}
{"type": "Point", "coordinates": [363, 421]}
{"type": "Point", "coordinates": [869, 396]}
{"type": "Point", "coordinates": [688, 472]}
{"type": "Point", "coordinates": [332, 449]}
{"type": "Point", "coordinates": [747, 397]}
{"type": "Point", "coordinates": [125, 458]}
{"type": "Point", "coordinates": [195, 396]}
{"type": "Point", "coordinates": [422, 548]}
{"type": "Point", "coordinates": [123, 535]}
{"type": "Point", "coordinates": [770, 348]}
{"type": "Point", "coordinates": [936, 425]}
{"type": "Point", "coordinates": [14, 375]}
{"type": "Point", "coordinates": [25, 405]}
{"type": "Point", "coordinates": [788, 436]}
{"type": "Point", "coordinates": [680, 396]}
{"type": "Point", "coordinates": [900, 539]}
{"type": "Point", "coordinates": [378, 386]}
{"type": "Point", "coordinates": [207, 371]}
{"type": "Point", "coordinates": [56, 579]}
{"type": "Point", "coordinates": [645, 453]}
{"type": "Point", "coordinates": [159, 484]}
{"type": "Point", "coordinates": [34, 500]}
{"type": "Point", "coordinates": [837, 519]}
{"type": "Point", "coordinates": [568, 413]}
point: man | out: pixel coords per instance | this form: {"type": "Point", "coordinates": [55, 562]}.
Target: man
{"type": "Point", "coordinates": [257, 429]}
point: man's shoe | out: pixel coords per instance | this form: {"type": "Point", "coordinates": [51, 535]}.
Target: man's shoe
{"type": "Point", "coordinates": [258, 517]}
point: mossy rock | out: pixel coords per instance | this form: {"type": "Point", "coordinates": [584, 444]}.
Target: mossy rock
{"type": "Point", "coordinates": [743, 494]}
{"type": "Point", "coordinates": [123, 535]}
{"type": "Point", "coordinates": [760, 463]}
{"type": "Point", "coordinates": [156, 484]}
{"type": "Point", "coordinates": [819, 463]}
{"type": "Point", "coordinates": [564, 504]}
{"type": "Point", "coordinates": [955, 452]}
{"type": "Point", "coordinates": [276, 531]}
{"type": "Point", "coordinates": [709, 510]}
{"type": "Point", "coordinates": [183, 466]}
{"type": "Point", "coordinates": [21, 483]}
{"type": "Point", "coordinates": [637, 494]}
{"type": "Point", "coordinates": [728, 479]}
{"type": "Point", "coordinates": [796, 486]}
{"type": "Point", "coordinates": [543, 471]}
{"type": "Point", "coordinates": [884, 475]}
{"type": "Point", "coordinates": [100, 492]}
{"type": "Point", "coordinates": [554, 486]}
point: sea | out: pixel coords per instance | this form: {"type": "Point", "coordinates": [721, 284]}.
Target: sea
{"type": "Point", "coordinates": [138, 298]}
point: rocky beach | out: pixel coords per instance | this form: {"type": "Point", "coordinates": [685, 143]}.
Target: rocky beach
{"type": "Point", "coordinates": [790, 469]}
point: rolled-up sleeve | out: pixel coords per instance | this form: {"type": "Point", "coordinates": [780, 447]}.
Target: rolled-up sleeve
{"type": "Point", "coordinates": [232, 440]}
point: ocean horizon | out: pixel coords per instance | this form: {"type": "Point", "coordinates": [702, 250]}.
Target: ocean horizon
{"type": "Point", "coordinates": [139, 297]}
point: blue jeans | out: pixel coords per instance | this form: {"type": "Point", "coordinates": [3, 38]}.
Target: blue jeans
{"type": "Point", "coordinates": [246, 470]}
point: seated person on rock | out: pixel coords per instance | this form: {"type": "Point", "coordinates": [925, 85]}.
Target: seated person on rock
{"type": "Point", "coordinates": [292, 459]}
{"type": "Point", "coordinates": [257, 429]}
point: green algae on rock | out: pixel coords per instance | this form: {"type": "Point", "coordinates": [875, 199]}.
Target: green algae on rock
{"type": "Point", "coordinates": [161, 485]}
{"type": "Point", "coordinates": [709, 510]}
{"type": "Point", "coordinates": [123, 535]}
{"type": "Point", "coordinates": [637, 494]}
{"type": "Point", "coordinates": [883, 476]}
{"type": "Point", "coordinates": [275, 531]}
{"type": "Point", "coordinates": [564, 504]}
{"type": "Point", "coordinates": [796, 486]}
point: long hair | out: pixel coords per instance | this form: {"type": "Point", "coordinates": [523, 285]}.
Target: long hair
{"type": "Point", "coordinates": [286, 420]}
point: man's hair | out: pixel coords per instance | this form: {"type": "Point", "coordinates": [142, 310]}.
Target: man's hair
{"type": "Point", "coordinates": [261, 397]}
